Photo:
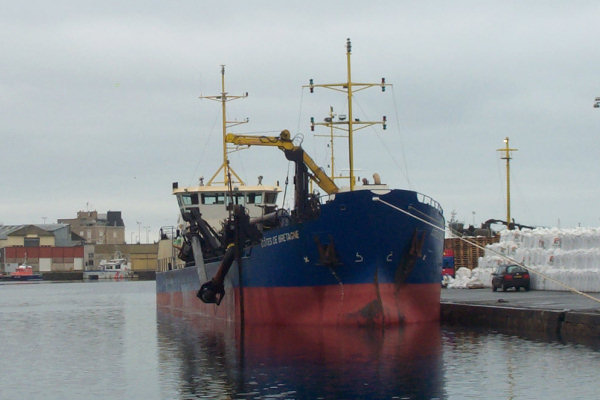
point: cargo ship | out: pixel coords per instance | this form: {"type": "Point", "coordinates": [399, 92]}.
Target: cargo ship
{"type": "Point", "coordinates": [359, 255]}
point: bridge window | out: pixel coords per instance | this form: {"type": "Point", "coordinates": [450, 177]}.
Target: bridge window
{"type": "Point", "coordinates": [189, 199]}
{"type": "Point", "coordinates": [213, 198]}
{"type": "Point", "coordinates": [238, 198]}
{"type": "Point", "coordinates": [270, 198]}
{"type": "Point", "coordinates": [254, 198]}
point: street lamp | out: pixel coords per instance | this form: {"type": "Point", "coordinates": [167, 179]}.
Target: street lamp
{"type": "Point", "coordinates": [597, 102]}
{"type": "Point", "coordinates": [139, 231]}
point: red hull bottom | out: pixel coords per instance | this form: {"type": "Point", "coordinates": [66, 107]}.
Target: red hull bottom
{"type": "Point", "coordinates": [366, 304]}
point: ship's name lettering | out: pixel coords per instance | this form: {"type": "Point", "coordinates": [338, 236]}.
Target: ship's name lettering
{"type": "Point", "coordinates": [281, 238]}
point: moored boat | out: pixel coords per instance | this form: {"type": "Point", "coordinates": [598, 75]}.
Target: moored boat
{"type": "Point", "coordinates": [24, 273]}
{"type": "Point", "coordinates": [362, 255]}
{"type": "Point", "coordinates": [116, 269]}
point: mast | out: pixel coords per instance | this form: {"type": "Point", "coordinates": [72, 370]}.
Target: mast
{"type": "Point", "coordinates": [328, 122]}
{"type": "Point", "coordinates": [351, 124]}
{"type": "Point", "coordinates": [350, 120]}
{"type": "Point", "coordinates": [331, 115]}
{"type": "Point", "coordinates": [223, 98]}
{"type": "Point", "coordinates": [507, 157]}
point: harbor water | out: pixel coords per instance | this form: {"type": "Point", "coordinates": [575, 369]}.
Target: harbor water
{"type": "Point", "coordinates": [107, 340]}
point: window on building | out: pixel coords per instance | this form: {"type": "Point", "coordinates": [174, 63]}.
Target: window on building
{"type": "Point", "coordinates": [31, 242]}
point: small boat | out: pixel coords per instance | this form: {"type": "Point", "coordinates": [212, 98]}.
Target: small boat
{"type": "Point", "coordinates": [116, 269]}
{"type": "Point", "coordinates": [24, 273]}
{"type": "Point", "coordinates": [365, 254]}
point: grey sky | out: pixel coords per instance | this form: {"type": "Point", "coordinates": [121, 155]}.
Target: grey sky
{"type": "Point", "coordinates": [99, 101]}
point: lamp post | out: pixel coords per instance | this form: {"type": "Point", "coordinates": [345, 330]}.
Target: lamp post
{"type": "Point", "coordinates": [507, 157]}
{"type": "Point", "coordinates": [139, 231]}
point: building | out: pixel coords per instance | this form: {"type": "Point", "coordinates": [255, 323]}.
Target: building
{"type": "Point", "coordinates": [46, 247]}
{"type": "Point", "coordinates": [74, 245]}
{"type": "Point", "coordinates": [25, 236]}
{"type": "Point", "coordinates": [98, 228]}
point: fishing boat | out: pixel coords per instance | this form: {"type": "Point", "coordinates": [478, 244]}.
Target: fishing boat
{"type": "Point", "coordinates": [361, 255]}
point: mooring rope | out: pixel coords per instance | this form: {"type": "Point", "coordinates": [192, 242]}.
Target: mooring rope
{"type": "Point", "coordinates": [512, 260]}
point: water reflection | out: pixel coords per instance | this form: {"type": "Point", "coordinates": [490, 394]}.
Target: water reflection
{"type": "Point", "coordinates": [200, 359]}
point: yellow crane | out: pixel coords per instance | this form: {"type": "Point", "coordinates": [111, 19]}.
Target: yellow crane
{"type": "Point", "coordinates": [293, 152]}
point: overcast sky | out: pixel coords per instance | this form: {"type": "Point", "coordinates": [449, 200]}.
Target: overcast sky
{"type": "Point", "coordinates": [99, 104]}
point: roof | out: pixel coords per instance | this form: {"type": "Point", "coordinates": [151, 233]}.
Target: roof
{"type": "Point", "coordinates": [51, 227]}
{"type": "Point", "coordinates": [238, 188]}
{"type": "Point", "coordinates": [43, 229]}
{"type": "Point", "coordinates": [76, 238]}
{"type": "Point", "coordinates": [6, 230]}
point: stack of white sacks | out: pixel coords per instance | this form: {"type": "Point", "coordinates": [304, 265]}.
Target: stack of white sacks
{"type": "Point", "coordinates": [571, 256]}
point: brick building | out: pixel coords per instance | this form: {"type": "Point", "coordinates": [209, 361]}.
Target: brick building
{"type": "Point", "coordinates": [98, 228]}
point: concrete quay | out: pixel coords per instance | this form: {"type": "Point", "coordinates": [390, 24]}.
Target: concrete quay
{"type": "Point", "coordinates": [557, 315]}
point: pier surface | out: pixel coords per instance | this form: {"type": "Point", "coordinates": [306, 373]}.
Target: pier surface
{"type": "Point", "coordinates": [549, 314]}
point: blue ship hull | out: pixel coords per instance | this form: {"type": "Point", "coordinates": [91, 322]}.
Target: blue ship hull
{"type": "Point", "coordinates": [360, 262]}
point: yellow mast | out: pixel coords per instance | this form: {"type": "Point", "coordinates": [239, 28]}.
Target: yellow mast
{"type": "Point", "coordinates": [507, 157]}
{"type": "Point", "coordinates": [349, 88]}
{"type": "Point", "coordinates": [350, 120]}
{"type": "Point", "coordinates": [224, 98]}
{"type": "Point", "coordinates": [331, 115]}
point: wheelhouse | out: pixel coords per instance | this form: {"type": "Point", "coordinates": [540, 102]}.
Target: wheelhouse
{"type": "Point", "coordinates": [213, 201]}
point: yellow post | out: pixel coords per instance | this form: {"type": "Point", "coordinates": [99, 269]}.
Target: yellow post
{"type": "Point", "coordinates": [507, 157]}
{"type": "Point", "coordinates": [224, 98]}
{"type": "Point", "coordinates": [350, 120]}
{"type": "Point", "coordinates": [224, 124]}
{"type": "Point", "coordinates": [331, 116]}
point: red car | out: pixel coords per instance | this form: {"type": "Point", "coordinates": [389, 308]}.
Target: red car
{"type": "Point", "coordinates": [507, 276]}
